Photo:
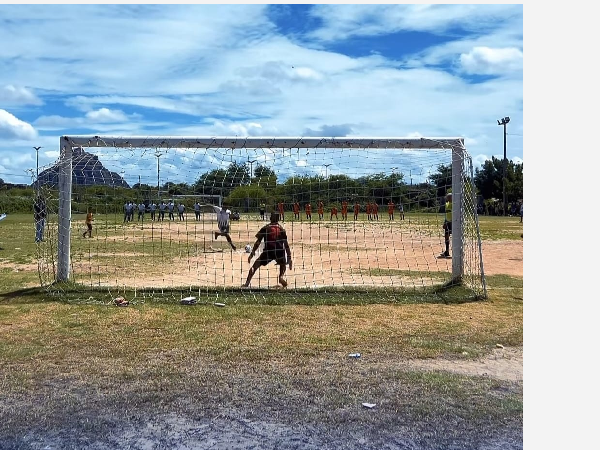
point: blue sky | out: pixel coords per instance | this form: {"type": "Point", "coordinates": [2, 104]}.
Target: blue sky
{"type": "Point", "coordinates": [258, 70]}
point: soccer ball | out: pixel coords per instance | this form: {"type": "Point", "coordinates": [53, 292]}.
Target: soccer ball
{"type": "Point", "coordinates": [248, 248]}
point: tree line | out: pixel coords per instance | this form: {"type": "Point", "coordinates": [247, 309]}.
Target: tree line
{"type": "Point", "coordinates": [242, 190]}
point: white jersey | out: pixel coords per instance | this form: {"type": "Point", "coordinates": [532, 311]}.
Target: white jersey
{"type": "Point", "coordinates": [223, 219]}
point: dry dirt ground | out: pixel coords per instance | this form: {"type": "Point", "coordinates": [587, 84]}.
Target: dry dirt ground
{"type": "Point", "coordinates": [255, 420]}
{"type": "Point", "coordinates": [327, 253]}
{"type": "Point", "coordinates": [221, 409]}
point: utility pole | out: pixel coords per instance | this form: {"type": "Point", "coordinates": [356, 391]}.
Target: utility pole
{"type": "Point", "coordinates": [327, 180]}
{"type": "Point", "coordinates": [504, 121]}
{"type": "Point", "coordinates": [393, 181]}
{"type": "Point", "coordinates": [251, 162]}
{"type": "Point", "coordinates": [158, 155]}
{"type": "Point", "coordinates": [37, 166]}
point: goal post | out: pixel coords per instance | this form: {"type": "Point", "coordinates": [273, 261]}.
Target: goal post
{"type": "Point", "coordinates": [359, 161]}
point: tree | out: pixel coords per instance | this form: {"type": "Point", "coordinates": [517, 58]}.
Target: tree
{"type": "Point", "coordinates": [223, 181]}
{"type": "Point", "coordinates": [247, 197]}
{"type": "Point", "coordinates": [488, 180]}
{"type": "Point", "coordinates": [263, 171]}
{"type": "Point", "coordinates": [264, 176]}
{"type": "Point", "coordinates": [442, 180]}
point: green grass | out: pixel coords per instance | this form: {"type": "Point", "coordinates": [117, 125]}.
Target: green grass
{"type": "Point", "coordinates": [499, 227]}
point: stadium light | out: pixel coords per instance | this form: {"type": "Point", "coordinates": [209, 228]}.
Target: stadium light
{"type": "Point", "coordinates": [326, 166]}
{"type": "Point", "coordinates": [503, 122]}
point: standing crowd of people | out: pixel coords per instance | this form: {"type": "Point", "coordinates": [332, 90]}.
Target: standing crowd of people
{"type": "Point", "coordinates": [130, 210]}
{"type": "Point", "coordinates": [371, 209]}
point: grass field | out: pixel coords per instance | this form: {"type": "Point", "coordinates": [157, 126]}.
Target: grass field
{"type": "Point", "coordinates": [81, 373]}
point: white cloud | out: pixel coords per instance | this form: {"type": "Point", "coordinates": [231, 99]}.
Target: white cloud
{"type": "Point", "coordinates": [94, 119]}
{"type": "Point", "coordinates": [13, 95]}
{"type": "Point", "coordinates": [13, 128]}
{"type": "Point", "coordinates": [106, 115]}
{"type": "Point", "coordinates": [487, 61]}
{"type": "Point", "coordinates": [340, 22]}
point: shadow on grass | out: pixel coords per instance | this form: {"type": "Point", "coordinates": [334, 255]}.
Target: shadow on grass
{"type": "Point", "coordinates": [71, 293]}
{"type": "Point", "coordinates": [25, 295]}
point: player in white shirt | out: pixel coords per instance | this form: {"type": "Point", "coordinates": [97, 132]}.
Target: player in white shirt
{"type": "Point", "coordinates": [223, 223]}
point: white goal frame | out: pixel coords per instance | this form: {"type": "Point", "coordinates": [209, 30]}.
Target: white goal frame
{"type": "Point", "coordinates": [68, 143]}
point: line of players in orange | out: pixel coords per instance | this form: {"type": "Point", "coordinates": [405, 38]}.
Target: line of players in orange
{"type": "Point", "coordinates": [371, 209]}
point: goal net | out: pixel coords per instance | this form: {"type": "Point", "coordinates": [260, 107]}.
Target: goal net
{"type": "Point", "coordinates": [359, 213]}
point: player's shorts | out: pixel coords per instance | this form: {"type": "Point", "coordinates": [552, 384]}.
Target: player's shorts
{"type": "Point", "coordinates": [447, 226]}
{"type": "Point", "coordinates": [224, 228]}
{"type": "Point", "coordinates": [272, 255]}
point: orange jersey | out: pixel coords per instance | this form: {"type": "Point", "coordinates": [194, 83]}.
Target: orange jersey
{"type": "Point", "coordinates": [356, 208]}
{"type": "Point", "coordinates": [375, 208]}
{"type": "Point", "coordinates": [344, 207]}
{"type": "Point", "coordinates": [390, 208]}
{"type": "Point", "coordinates": [320, 207]}
{"type": "Point", "coordinates": [280, 206]}
{"type": "Point", "coordinates": [308, 208]}
{"type": "Point", "coordinates": [296, 208]}
{"type": "Point", "coordinates": [334, 211]}
{"type": "Point", "coordinates": [368, 208]}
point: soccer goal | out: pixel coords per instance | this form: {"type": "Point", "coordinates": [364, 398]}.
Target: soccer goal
{"type": "Point", "coordinates": [359, 213]}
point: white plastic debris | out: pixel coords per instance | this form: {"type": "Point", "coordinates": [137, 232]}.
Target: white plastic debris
{"type": "Point", "coordinates": [369, 405]}
{"type": "Point", "coordinates": [188, 301]}
{"type": "Point", "coordinates": [354, 355]}
{"type": "Point", "coordinates": [219, 304]}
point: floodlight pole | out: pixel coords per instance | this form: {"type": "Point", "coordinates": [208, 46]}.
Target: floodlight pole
{"type": "Point", "coordinates": [504, 121]}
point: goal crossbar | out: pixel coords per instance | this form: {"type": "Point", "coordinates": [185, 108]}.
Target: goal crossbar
{"type": "Point", "coordinates": [262, 142]}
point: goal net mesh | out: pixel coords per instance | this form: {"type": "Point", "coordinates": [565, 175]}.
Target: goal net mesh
{"type": "Point", "coordinates": [357, 216]}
